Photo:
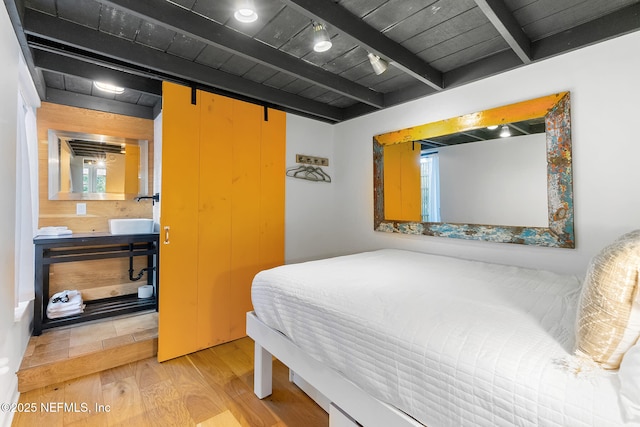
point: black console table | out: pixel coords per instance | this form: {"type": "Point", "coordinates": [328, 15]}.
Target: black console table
{"type": "Point", "coordinates": [91, 246]}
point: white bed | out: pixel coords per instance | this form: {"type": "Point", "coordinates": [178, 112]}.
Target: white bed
{"type": "Point", "coordinates": [449, 342]}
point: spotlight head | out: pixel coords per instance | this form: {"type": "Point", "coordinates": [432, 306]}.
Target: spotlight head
{"type": "Point", "coordinates": [379, 65]}
{"type": "Point", "coordinates": [321, 39]}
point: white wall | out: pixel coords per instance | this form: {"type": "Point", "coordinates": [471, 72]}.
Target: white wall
{"type": "Point", "coordinates": [12, 333]}
{"type": "Point", "coordinates": [310, 206]}
{"type": "Point", "coordinates": [604, 84]}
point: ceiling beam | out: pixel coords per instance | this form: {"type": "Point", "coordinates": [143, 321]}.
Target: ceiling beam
{"type": "Point", "coordinates": [409, 93]}
{"type": "Point", "coordinates": [484, 67]}
{"type": "Point", "coordinates": [119, 49]}
{"type": "Point", "coordinates": [618, 23]}
{"type": "Point", "coordinates": [171, 16]}
{"type": "Point", "coordinates": [519, 128]}
{"type": "Point", "coordinates": [60, 63]}
{"type": "Point", "coordinates": [330, 12]}
{"type": "Point", "coordinates": [80, 100]}
{"type": "Point", "coordinates": [615, 24]}
{"type": "Point", "coordinates": [15, 9]}
{"type": "Point", "coordinates": [508, 27]}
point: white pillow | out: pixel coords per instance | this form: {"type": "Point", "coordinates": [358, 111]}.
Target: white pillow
{"type": "Point", "coordinates": [629, 375]}
{"type": "Point", "coordinates": [608, 320]}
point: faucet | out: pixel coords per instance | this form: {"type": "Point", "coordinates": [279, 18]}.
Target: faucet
{"type": "Point", "coordinates": [155, 198]}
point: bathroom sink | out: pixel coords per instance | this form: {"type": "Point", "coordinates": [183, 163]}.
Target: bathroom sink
{"type": "Point", "coordinates": [131, 226]}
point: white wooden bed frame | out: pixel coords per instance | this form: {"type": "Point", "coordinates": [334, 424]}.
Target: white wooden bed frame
{"type": "Point", "coordinates": [345, 396]}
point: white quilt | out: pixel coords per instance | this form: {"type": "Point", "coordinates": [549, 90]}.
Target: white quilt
{"type": "Point", "coordinates": [450, 342]}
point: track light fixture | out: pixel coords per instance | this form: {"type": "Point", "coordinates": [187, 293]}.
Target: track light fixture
{"type": "Point", "coordinates": [379, 65]}
{"type": "Point", "coordinates": [321, 39]}
{"type": "Point", "coordinates": [505, 132]}
{"type": "Point", "coordinates": [245, 11]}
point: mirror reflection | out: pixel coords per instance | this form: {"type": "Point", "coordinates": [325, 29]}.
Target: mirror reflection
{"type": "Point", "coordinates": [502, 175]}
{"type": "Point", "coordinates": [491, 175]}
{"type": "Point", "coordinates": [96, 167]}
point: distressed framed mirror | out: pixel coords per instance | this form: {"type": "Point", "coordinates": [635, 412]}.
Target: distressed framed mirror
{"type": "Point", "coordinates": [459, 178]}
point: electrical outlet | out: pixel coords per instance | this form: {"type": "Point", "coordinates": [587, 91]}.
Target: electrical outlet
{"type": "Point", "coordinates": [81, 208]}
{"type": "Point", "coordinates": [312, 160]}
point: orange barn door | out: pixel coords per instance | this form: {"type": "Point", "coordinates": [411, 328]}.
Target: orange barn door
{"type": "Point", "coordinates": [178, 291]}
{"type": "Point", "coordinates": [214, 220]}
{"type": "Point", "coordinates": [226, 218]}
{"type": "Point", "coordinates": [402, 194]}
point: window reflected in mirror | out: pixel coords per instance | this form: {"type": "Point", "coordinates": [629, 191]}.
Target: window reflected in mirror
{"type": "Point", "coordinates": [96, 167]}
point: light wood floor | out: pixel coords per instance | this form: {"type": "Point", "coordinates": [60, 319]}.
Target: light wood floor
{"type": "Point", "coordinates": [59, 344]}
{"type": "Point", "coordinates": [213, 387]}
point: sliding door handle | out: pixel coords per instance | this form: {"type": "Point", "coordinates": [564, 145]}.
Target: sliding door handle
{"type": "Point", "coordinates": [166, 235]}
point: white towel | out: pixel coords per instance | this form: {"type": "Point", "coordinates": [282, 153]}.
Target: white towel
{"type": "Point", "coordinates": [65, 303]}
{"type": "Point", "coordinates": [53, 231]}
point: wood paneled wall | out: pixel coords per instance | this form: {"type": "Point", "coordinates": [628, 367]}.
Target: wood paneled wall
{"type": "Point", "coordinates": [63, 212]}
{"type": "Point", "coordinates": [96, 279]}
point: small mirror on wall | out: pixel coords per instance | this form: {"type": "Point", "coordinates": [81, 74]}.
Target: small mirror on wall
{"type": "Point", "coordinates": [96, 167]}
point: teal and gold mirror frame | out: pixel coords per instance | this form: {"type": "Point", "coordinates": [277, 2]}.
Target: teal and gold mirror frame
{"type": "Point", "coordinates": [555, 109]}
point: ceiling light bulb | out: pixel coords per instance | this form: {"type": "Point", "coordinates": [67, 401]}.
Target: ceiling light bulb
{"type": "Point", "coordinates": [492, 127]}
{"type": "Point", "coordinates": [321, 39]}
{"type": "Point", "coordinates": [106, 87]}
{"type": "Point", "coordinates": [505, 132]}
{"type": "Point", "coordinates": [379, 65]}
{"type": "Point", "coordinates": [246, 12]}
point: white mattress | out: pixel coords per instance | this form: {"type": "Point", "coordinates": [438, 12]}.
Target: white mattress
{"type": "Point", "coordinates": [450, 342]}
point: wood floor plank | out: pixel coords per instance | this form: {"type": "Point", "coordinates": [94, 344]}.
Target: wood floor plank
{"type": "Point", "coordinates": [246, 345]}
{"type": "Point", "coordinates": [163, 405]}
{"type": "Point", "coordinates": [238, 355]}
{"type": "Point", "coordinates": [149, 372]}
{"type": "Point", "coordinates": [288, 403]}
{"type": "Point", "coordinates": [212, 387]}
{"type": "Point", "coordinates": [118, 373]}
{"type": "Point", "coordinates": [159, 394]}
{"type": "Point", "coordinates": [235, 357]}
{"type": "Point", "coordinates": [125, 402]}
{"type": "Point", "coordinates": [225, 419]}
{"type": "Point", "coordinates": [244, 405]}
{"type": "Point", "coordinates": [67, 368]}
{"type": "Point", "coordinates": [43, 413]}
{"type": "Point", "coordinates": [212, 368]}
{"type": "Point", "coordinates": [83, 394]}
{"type": "Point", "coordinates": [98, 419]}
{"type": "Point", "coordinates": [201, 401]}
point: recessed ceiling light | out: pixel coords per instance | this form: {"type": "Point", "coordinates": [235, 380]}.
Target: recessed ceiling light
{"type": "Point", "coordinates": [492, 127]}
{"type": "Point", "coordinates": [106, 87]}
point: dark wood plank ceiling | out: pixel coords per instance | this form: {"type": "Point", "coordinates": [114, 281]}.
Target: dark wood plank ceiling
{"type": "Point", "coordinates": [430, 45]}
